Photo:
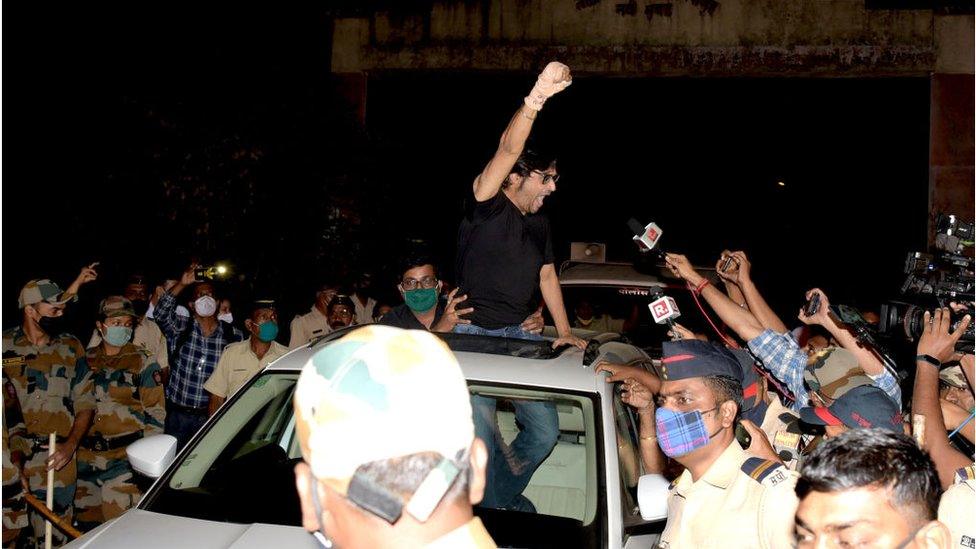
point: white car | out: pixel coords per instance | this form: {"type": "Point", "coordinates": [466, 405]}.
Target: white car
{"type": "Point", "coordinates": [232, 486]}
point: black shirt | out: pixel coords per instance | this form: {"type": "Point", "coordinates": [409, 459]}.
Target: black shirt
{"type": "Point", "coordinates": [500, 253]}
{"type": "Point", "coordinates": [402, 317]}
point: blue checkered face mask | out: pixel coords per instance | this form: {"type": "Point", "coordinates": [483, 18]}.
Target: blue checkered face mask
{"type": "Point", "coordinates": [680, 433]}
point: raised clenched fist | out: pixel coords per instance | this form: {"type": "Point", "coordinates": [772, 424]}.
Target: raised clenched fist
{"type": "Point", "coordinates": [554, 79]}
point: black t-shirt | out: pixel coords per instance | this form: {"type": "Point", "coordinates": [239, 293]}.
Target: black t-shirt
{"type": "Point", "coordinates": [402, 317]}
{"type": "Point", "coordinates": [500, 253]}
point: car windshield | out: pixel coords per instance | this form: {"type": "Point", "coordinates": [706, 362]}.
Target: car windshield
{"type": "Point", "coordinates": [241, 469]}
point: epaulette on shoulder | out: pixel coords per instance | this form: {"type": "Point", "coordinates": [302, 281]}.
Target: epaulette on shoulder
{"type": "Point", "coordinates": [764, 471]}
{"type": "Point", "coordinates": [966, 473]}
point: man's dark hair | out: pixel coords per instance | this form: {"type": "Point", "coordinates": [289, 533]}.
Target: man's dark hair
{"type": "Point", "coordinates": [403, 475]}
{"type": "Point", "coordinates": [529, 161]}
{"type": "Point", "coordinates": [413, 261]}
{"type": "Point", "coordinates": [875, 458]}
{"type": "Point", "coordinates": [725, 388]}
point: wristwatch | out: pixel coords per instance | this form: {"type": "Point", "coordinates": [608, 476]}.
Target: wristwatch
{"type": "Point", "coordinates": [930, 359]}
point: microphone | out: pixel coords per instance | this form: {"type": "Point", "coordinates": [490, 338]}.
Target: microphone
{"type": "Point", "coordinates": [664, 311]}
{"type": "Point", "coordinates": [646, 236]}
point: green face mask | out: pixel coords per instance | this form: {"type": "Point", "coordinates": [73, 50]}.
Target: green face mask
{"type": "Point", "coordinates": [421, 300]}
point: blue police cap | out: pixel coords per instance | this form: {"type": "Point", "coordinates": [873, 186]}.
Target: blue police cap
{"type": "Point", "coordinates": [688, 358]}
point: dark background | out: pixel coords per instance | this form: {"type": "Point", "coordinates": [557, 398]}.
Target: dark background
{"type": "Point", "coordinates": [144, 136]}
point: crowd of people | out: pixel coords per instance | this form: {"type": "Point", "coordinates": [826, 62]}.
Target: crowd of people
{"type": "Point", "coordinates": [770, 436]}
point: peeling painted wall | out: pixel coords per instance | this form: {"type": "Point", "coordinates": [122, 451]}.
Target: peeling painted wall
{"type": "Point", "coordinates": [656, 37]}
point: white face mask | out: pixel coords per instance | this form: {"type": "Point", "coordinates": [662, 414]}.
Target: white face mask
{"type": "Point", "coordinates": [205, 306]}
{"type": "Point", "coordinates": [226, 317]}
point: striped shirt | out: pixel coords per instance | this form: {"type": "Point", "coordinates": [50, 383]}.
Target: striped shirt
{"type": "Point", "coordinates": [784, 358]}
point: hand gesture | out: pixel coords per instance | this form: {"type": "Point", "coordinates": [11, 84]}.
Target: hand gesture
{"type": "Point", "coordinates": [60, 457]}
{"type": "Point", "coordinates": [452, 315]}
{"type": "Point", "coordinates": [760, 446]}
{"type": "Point", "coordinates": [554, 79]}
{"type": "Point", "coordinates": [637, 395]}
{"type": "Point", "coordinates": [87, 274]}
{"type": "Point", "coordinates": [822, 316]}
{"type": "Point", "coordinates": [569, 339]}
{"type": "Point", "coordinates": [684, 333]}
{"type": "Point", "coordinates": [189, 275]}
{"type": "Point", "coordinates": [936, 340]}
{"type": "Point", "coordinates": [740, 269]}
{"type": "Point", "coordinates": [681, 267]}
{"type": "Point", "coordinates": [618, 372]}
{"type": "Point", "coordinates": [534, 323]}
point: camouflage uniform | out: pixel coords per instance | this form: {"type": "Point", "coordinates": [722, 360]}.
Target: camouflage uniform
{"type": "Point", "coordinates": [14, 509]}
{"type": "Point", "coordinates": [53, 384]}
{"type": "Point", "coordinates": [129, 405]}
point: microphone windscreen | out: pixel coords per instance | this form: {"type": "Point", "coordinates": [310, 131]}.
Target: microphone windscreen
{"type": "Point", "coordinates": [635, 226]}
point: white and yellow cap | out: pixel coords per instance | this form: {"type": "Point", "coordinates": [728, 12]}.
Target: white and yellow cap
{"type": "Point", "coordinates": [380, 393]}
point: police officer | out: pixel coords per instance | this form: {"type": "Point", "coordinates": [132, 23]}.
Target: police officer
{"type": "Point", "coordinates": [14, 509]}
{"type": "Point", "coordinates": [956, 507]}
{"type": "Point", "coordinates": [314, 323]}
{"type": "Point", "coordinates": [130, 405]}
{"type": "Point", "coordinates": [50, 377]}
{"type": "Point", "coordinates": [724, 497]}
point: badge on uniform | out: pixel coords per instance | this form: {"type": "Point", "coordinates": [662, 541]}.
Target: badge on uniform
{"type": "Point", "coordinates": [764, 471]}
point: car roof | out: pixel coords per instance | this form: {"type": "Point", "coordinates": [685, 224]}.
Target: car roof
{"type": "Point", "coordinates": [622, 275]}
{"type": "Point", "coordinates": [563, 371]}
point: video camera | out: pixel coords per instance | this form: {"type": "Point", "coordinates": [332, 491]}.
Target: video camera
{"type": "Point", "coordinates": [934, 280]}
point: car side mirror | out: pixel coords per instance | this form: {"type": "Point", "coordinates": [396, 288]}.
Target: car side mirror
{"type": "Point", "coordinates": [151, 456]}
{"type": "Point", "coordinates": [652, 497]}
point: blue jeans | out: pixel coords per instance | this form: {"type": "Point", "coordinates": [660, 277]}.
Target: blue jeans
{"type": "Point", "coordinates": [514, 332]}
{"type": "Point", "coordinates": [510, 467]}
{"type": "Point", "coordinates": [182, 424]}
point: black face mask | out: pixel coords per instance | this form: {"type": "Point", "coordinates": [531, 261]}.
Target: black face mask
{"type": "Point", "coordinates": [140, 306]}
{"type": "Point", "coordinates": [50, 324]}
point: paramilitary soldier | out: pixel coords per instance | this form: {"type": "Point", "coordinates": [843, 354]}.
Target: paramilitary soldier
{"type": "Point", "coordinates": [14, 508]}
{"type": "Point", "coordinates": [130, 405]}
{"type": "Point", "coordinates": [724, 498]}
{"type": "Point", "coordinates": [50, 377]}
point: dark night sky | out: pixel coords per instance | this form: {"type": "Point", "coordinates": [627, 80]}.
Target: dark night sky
{"type": "Point", "coordinates": [89, 85]}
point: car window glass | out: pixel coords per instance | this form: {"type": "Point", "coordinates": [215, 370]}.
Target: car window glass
{"type": "Point", "coordinates": [628, 457]}
{"type": "Point", "coordinates": [243, 462]}
{"type": "Point", "coordinates": [565, 490]}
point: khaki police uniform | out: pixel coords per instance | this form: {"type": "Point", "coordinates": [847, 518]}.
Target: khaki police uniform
{"type": "Point", "coordinates": [956, 508]}
{"type": "Point", "coordinates": [776, 424]}
{"type": "Point", "coordinates": [364, 313]}
{"type": "Point", "coordinates": [52, 383]}
{"type": "Point", "coordinates": [238, 364]}
{"type": "Point", "coordinates": [130, 405]}
{"type": "Point", "coordinates": [146, 335]}
{"type": "Point", "coordinates": [741, 501]}
{"type": "Point", "coordinates": [309, 326]}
